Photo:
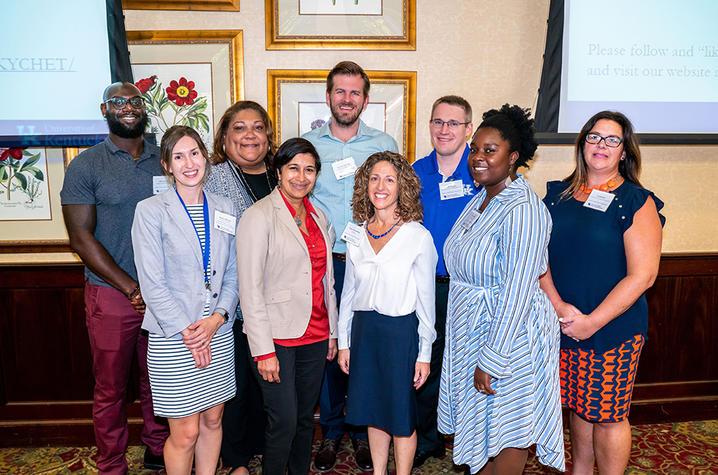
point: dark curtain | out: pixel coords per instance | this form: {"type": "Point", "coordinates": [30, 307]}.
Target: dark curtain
{"type": "Point", "coordinates": [549, 97]}
{"type": "Point", "coordinates": [119, 53]}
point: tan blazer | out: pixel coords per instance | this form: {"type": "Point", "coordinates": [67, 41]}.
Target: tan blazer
{"type": "Point", "coordinates": [275, 274]}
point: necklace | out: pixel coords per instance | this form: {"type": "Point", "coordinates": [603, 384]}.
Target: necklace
{"type": "Point", "coordinates": [379, 236]}
{"type": "Point", "coordinates": [298, 219]}
{"type": "Point", "coordinates": [239, 174]}
{"type": "Point", "coordinates": [610, 185]}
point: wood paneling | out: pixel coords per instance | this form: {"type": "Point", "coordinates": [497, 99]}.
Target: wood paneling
{"type": "Point", "coordinates": [46, 374]}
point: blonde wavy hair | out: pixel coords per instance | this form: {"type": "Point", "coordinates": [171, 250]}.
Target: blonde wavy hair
{"type": "Point", "coordinates": [408, 207]}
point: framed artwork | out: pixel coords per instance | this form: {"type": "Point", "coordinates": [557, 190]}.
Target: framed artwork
{"type": "Point", "coordinates": [30, 210]}
{"type": "Point", "coordinates": [340, 24]}
{"type": "Point", "coordinates": [187, 77]}
{"type": "Point", "coordinates": [296, 102]}
{"type": "Point", "coordinates": [200, 5]}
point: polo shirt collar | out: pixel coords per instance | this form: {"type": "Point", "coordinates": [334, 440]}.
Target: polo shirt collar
{"type": "Point", "coordinates": [147, 151]}
{"type": "Point", "coordinates": [434, 161]}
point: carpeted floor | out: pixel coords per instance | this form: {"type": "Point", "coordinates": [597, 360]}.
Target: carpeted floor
{"type": "Point", "coordinates": [680, 448]}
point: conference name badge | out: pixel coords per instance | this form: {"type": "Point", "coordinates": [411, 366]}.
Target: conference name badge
{"type": "Point", "coordinates": [160, 184]}
{"type": "Point", "coordinates": [225, 222]}
{"type": "Point", "coordinates": [352, 234]}
{"type": "Point", "coordinates": [599, 200]}
{"type": "Point", "coordinates": [344, 168]}
{"type": "Point", "coordinates": [470, 219]}
{"type": "Point", "coordinates": [448, 190]}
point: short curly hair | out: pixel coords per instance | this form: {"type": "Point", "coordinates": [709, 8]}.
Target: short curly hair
{"type": "Point", "coordinates": [408, 208]}
{"type": "Point", "coordinates": [516, 126]}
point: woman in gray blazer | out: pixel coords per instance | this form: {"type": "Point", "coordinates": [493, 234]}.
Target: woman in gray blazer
{"type": "Point", "coordinates": [286, 286]}
{"type": "Point", "coordinates": [184, 252]}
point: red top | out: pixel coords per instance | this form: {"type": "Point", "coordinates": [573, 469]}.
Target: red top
{"type": "Point", "coordinates": [318, 328]}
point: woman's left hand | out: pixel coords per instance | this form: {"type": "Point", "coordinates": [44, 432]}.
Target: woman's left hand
{"type": "Point", "coordinates": [202, 331]}
{"type": "Point", "coordinates": [579, 327]}
{"type": "Point", "coordinates": [482, 381]}
{"type": "Point", "coordinates": [332, 351]}
{"type": "Point", "coordinates": [421, 373]}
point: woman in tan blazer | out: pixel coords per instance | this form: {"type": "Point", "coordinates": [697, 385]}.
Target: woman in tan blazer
{"type": "Point", "coordinates": [286, 286]}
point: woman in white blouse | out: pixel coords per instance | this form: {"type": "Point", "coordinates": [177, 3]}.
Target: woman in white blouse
{"type": "Point", "coordinates": [386, 319]}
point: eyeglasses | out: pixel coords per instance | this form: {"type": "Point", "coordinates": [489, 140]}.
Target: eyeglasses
{"type": "Point", "coordinates": [453, 124]}
{"type": "Point", "coordinates": [610, 141]}
{"type": "Point", "coordinates": [119, 102]}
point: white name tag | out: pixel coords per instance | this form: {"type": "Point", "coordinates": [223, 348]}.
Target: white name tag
{"type": "Point", "coordinates": [225, 222]}
{"type": "Point", "coordinates": [599, 200]}
{"type": "Point", "coordinates": [352, 234]}
{"type": "Point", "coordinates": [448, 190]}
{"type": "Point", "coordinates": [470, 219]}
{"type": "Point", "coordinates": [160, 184]}
{"type": "Point", "coordinates": [344, 168]}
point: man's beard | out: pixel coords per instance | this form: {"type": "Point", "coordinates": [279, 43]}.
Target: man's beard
{"type": "Point", "coordinates": [344, 121]}
{"type": "Point", "coordinates": [120, 129]}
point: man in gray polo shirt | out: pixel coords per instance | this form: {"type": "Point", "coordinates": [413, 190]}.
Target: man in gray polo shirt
{"type": "Point", "coordinates": [102, 187]}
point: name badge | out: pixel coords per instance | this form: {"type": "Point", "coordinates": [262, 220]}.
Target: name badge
{"type": "Point", "coordinates": [344, 168]}
{"type": "Point", "coordinates": [470, 219]}
{"type": "Point", "coordinates": [352, 234]}
{"type": "Point", "coordinates": [160, 184]}
{"type": "Point", "coordinates": [448, 190]}
{"type": "Point", "coordinates": [225, 222]}
{"type": "Point", "coordinates": [599, 200]}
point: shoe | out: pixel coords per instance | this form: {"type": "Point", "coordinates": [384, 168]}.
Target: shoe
{"type": "Point", "coordinates": [327, 455]}
{"type": "Point", "coordinates": [152, 461]}
{"type": "Point", "coordinates": [362, 455]}
{"type": "Point", "coordinates": [422, 456]}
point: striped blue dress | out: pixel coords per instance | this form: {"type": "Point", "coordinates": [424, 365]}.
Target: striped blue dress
{"type": "Point", "coordinates": [499, 319]}
{"type": "Point", "coordinates": [179, 388]}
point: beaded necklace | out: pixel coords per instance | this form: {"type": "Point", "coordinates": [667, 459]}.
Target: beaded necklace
{"type": "Point", "coordinates": [379, 236]}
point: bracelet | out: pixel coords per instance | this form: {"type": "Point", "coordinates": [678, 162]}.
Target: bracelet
{"type": "Point", "coordinates": [135, 292]}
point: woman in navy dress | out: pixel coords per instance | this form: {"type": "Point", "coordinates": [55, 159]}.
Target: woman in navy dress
{"type": "Point", "coordinates": [604, 253]}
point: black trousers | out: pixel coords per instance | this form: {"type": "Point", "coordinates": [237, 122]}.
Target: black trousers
{"type": "Point", "coordinates": [427, 397]}
{"type": "Point", "coordinates": [290, 408]}
{"type": "Point", "coordinates": [243, 420]}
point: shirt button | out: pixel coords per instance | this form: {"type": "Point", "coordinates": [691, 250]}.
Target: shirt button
{"type": "Point", "coordinates": [623, 217]}
{"type": "Point", "coordinates": [620, 206]}
{"type": "Point", "coordinates": [214, 295]}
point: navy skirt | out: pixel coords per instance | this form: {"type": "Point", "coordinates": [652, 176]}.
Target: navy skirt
{"type": "Point", "coordinates": [381, 372]}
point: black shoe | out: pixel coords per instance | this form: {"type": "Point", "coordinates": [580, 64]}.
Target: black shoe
{"type": "Point", "coordinates": [152, 461]}
{"type": "Point", "coordinates": [362, 454]}
{"type": "Point", "coordinates": [327, 455]}
{"type": "Point", "coordinates": [422, 456]}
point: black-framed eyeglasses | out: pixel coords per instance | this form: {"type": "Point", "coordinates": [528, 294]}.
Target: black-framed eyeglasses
{"type": "Point", "coordinates": [119, 102]}
{"type": "Point", "coordinates": [439, 124]}
{"type": "Point", "coordinates": [610, 141]}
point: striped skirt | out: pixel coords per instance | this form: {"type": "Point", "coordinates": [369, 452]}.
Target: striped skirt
{"type": "Point", "coordinates": [598, 386]}
{"type": "Point", "coordinates": [179, 389]}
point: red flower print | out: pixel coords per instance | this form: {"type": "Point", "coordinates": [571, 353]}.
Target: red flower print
{"type": "Point", "coordinates": [145, 84]}
{"type": "Point", "coordinates": [15, 153]}
{"type": "Point", "coordinates": [182, 92]}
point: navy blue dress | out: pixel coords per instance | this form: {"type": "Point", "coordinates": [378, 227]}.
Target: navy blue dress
{"type": "Point", "coordinates": [588, 258]}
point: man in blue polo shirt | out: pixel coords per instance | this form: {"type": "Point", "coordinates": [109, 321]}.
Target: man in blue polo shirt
{"type": "Point", "coordinates": [343, 144]}
{"type": "Point", "coordinates": [446, 187]}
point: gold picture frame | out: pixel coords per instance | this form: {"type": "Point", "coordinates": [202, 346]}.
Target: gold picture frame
{"type": "Point", "coordinates": [391, 27]}
{"type": "Point", "coordinates": [290, 92]}
{"type": "Point", "coordinates": [210, 61]}
{"type": "Point", "coordinates": [198, 5]}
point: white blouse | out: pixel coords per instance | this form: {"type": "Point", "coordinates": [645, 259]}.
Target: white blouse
{"type": "Point", "coordinates": [398, 280]}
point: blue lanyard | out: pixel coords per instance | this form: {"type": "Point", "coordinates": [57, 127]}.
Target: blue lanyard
{"type": "Point", "coordinates": [205, 248]}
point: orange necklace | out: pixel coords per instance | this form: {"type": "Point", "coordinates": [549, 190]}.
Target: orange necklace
{"type": "Point", "coordinates": [610, 185]}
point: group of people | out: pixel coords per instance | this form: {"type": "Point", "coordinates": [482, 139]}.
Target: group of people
{"type": "Point", "coordinates": [407, 301]}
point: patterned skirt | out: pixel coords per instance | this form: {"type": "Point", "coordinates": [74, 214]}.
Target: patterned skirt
{"type": "Point", "coordinates": [179, 389]}
{"type": "Point", "coordinates": [598, 386]}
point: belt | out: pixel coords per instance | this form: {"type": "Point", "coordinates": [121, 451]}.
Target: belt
{"type": "Point", "coordinates": [338, 256]}
{"type": "Point", "coordinates": [444, 279]}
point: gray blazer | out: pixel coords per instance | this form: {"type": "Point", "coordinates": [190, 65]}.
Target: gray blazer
{"type": "Point", "coordinates": [169, 264]}
{"type": "Point", "coordinates": [275, 274]}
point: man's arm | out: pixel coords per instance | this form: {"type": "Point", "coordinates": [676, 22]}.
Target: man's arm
{"type": "Point", "coordinates": [80, 222]}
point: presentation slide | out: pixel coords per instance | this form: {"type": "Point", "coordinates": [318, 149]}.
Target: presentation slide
{"type": "Point", "coordinates": [54, 66]}
{"type": "Point", "coordinates": [654, 60]}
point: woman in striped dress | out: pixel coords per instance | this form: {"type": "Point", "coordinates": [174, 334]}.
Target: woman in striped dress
{"type": "Point", "coordinates": [499, 383]}
{"type": "Point", "coordinates": [184, 252]}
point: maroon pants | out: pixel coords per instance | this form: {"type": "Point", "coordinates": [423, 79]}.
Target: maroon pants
{"type": "Point", "coordinates": [115, 339]}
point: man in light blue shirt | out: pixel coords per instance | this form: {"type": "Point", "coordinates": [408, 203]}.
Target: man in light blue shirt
{"type": "Point", "coordinates": [343, 143]}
